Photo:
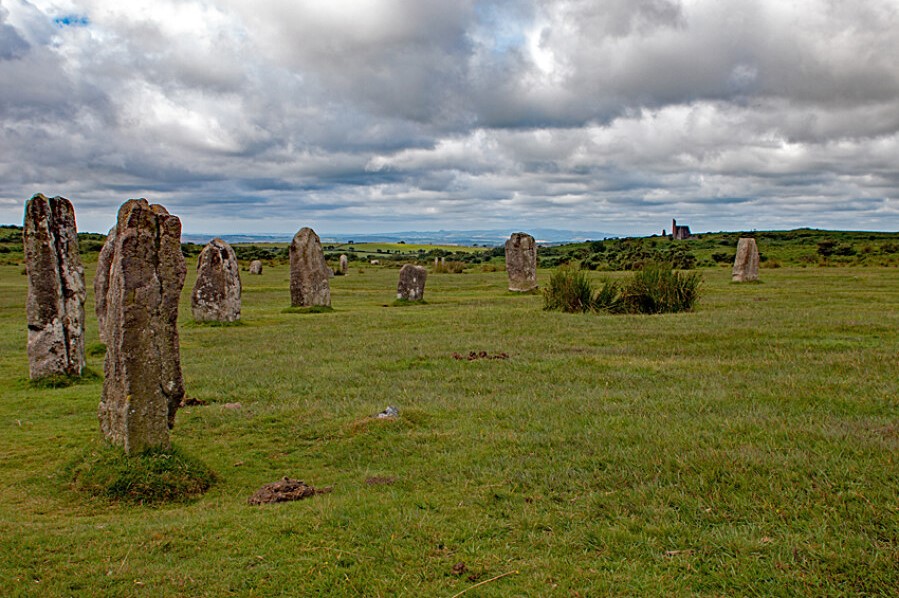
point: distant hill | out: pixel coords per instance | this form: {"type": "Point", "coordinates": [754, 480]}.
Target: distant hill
{"type": "Point", "coordinates": [489, 238]}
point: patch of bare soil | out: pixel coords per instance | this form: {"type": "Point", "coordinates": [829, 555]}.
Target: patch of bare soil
{"type": "Point", "coordinates": [285, 490]}
{"type": "Point", "coordinates": [379, 480]}
{"type": "Point", "coordinates": [192, 402]}
{"type": "Point", "coordinates": [474, 355]}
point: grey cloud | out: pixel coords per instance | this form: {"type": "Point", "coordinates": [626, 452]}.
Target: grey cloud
{"type": "Point", "coordinates": [619, 112]}
{"type": "Point", "coordinates": [12, 45]}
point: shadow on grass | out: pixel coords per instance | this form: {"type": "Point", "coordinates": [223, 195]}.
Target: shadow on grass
{"type": "Point", "coordinates": [96, 349]}
{"type": "Point", "coordinates": [87, 376]}
{"type": "Point", "coordinates": [312, 309]}
{"type": "Point", "coordinates": [407, 303]}
{"type": "Point", "coordinates": [212, 324]}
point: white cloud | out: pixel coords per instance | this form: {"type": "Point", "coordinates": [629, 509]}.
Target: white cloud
{"type": "Point", "coordinates": [387, 113]}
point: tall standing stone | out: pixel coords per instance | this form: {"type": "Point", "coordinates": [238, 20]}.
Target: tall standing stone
{"type": "Point", "coordinates": [101, 281]}
{"type": "Point", "coordinates": [143, 385]}
{"type": "Point", "coordinates": [56, 292]}
{"type": "Point", "coordinates": [344, 264]}
{"type": "Point", "coordinates": [216, 294]}
{"type": "Point", "coordinates": [411, 286]}
{"type": "Point", "coordinates": [309, 271]}
{"type": "Point", "coordinates": [521, 262]}
{"type": "Point", "coordinates": [256, 267]}
{"type": "Point", "coordinates": [746, 264]}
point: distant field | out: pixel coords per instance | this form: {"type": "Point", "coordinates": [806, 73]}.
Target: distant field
{"type": "Point", "coordinates": [397, 247]}
{"type": "Point", "coordinates": [800, 247]}
{"type": "Point", "coordinates": [748, 448]}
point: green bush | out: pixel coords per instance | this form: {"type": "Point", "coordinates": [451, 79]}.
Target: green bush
{"type": "Point", "coordinates": [569, 290]}
{"type": "Point", "coordinates": [448, 267]}
{"type": "Point", "coordinates": [655, 289]}
{"type": "Point", "coordinates": [659, 289]}
{"type": "Point", "coordinates": [608, 298]}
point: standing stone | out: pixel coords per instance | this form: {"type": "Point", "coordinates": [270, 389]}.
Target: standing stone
{"type": "Point", "coordinates": [521, 262]}
{"type": "Point", "coordinates": [216, 294]}
{"type": "Point", "coordinates": [308, 271]}
{"type": "Point", "coordinates": [101, 281]}
{"type": "Point", "coordinates": [344, 265]}
{"type": "Point", "coordinates": [56, 292]}
{"type": "Point", "coordinates": [143, 385]}
{"type": "Point", "coordinates": [411, 286]}
{"type": "Point", "coordinates": [256, 267]}
{"type": "Point", "coordinates": [746, 264]}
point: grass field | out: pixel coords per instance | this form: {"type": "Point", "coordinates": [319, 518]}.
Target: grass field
{"type": "Point", "coordinates": [748, 448]}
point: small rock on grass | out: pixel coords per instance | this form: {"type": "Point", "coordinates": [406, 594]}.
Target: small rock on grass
{"type": "Point", "coordinates": [389, 412]}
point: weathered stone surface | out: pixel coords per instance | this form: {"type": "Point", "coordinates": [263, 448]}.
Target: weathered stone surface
{"type": "Point", "coordinates": [56, 292]}
{"type": "Point", "coordinates": [411, 286]}
{"type": "Point", "coordinates": [216, 294]}
{"type": "Point", "coordinates": [344, 265]}
{"type": "Point", "coordinates": [143, 386]}
{"type": "Point", "coordinates": [256, 267]}
{"type": "Point", "coordinates": [521, 262]}
{"type": "Point", "coordinates": [309, 271]}
{"type": "Point", "coordinates": [746, 264]}
{"type": "Point", "coordinates": [101, 281]}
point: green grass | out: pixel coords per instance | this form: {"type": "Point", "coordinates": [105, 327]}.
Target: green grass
{"type": "Point", "coordinates": [153, 476]}
{"type": "Point", "coordinates": [64, 380]}
{"type": "Point", "coordinates": [747, 448]}
{"type": "Point", "coordinates": [408, 302]}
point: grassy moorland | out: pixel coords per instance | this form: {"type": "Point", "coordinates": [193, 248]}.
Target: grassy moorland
{"type": "Point", "coordinates": [750, 447]}
{"type": "Point", "coordinates": [801, 247]}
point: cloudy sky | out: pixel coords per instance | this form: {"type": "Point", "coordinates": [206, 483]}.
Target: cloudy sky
{"type": "Point", "coordinates": [386, 115]}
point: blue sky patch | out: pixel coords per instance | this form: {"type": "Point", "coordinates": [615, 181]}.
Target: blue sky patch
{"type": "Point", "coordinates": [72, 21]}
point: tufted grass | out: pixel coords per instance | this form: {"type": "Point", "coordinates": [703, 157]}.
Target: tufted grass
{"type": "Point", "coordinates": [153, 476]}
{"type": "Point", "coordinates": [746, 448]}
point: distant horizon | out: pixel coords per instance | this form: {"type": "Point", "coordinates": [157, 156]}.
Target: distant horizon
{"type": "Point", "coordinates": [395, 232]}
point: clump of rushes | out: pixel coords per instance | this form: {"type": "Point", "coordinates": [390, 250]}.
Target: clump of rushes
{"type": "Point", "coordinates": [658, 289]}
{"type": "Point", "coordinates": [569, 290]}
{"type": "Point", "coordinates": [655, 289]}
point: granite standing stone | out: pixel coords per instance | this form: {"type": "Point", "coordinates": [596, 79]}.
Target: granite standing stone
{"type": "Point", "coordinates": [55, 302]}
{"type": "Point", "coordinates": [143, 385]}
{"type": "Point", "coordinates": [101, 281]}
{"type": "Point", "coordinates": [521, 262]}
{"type": "Point", "coordinates": [344, 265]}
{"type": "Point", "coordinates": [411, 286]}
{"type": "Point", "coordinates": [256, 267]}
{"type": "Point", "coordinates": [216, 294]}
{"type": "Point", "coordinates": [746, 264]}
{"type": "Point", "coordinates": [309, 271]}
